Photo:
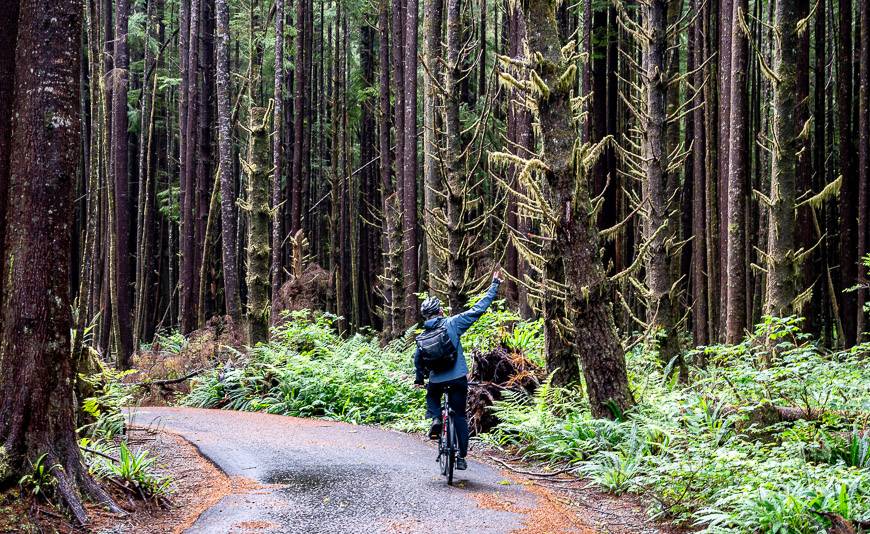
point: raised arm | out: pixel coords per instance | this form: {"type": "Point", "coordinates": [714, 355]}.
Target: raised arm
{"type": "Point", "coordinates": [464, 320]}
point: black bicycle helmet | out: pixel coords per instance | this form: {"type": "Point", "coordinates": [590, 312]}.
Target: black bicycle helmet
{"type": "Point", "coordinates": [430, 307]}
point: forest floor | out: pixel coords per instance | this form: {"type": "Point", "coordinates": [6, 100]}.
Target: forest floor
{"type": "Point", "coordinates": [292, 475]}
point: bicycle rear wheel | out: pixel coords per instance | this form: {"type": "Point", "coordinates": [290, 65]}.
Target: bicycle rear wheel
{"type": "Point", "coordinates": [452, 448]}
{"type": "Point", "coordinates": [444, 450]}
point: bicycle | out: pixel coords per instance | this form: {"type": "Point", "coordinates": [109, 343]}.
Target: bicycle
{"type": "Point", "coordinates": [448, 441]}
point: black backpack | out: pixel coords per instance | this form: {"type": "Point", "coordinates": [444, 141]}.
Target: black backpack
{"type": "Point", "coordinates": [437, 352]}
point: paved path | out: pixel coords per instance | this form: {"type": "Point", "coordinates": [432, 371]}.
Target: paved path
{"type": "Point", "coordinates": [327, 477]}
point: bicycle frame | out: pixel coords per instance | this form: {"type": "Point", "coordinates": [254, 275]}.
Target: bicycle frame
{"type": "Point", "coordinates": [448, 444]}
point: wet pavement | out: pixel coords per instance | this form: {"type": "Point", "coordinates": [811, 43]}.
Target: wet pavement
{"type": "Point", "coordinates": [319, 476]}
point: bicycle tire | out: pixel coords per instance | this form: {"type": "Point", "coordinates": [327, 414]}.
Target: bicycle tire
{"type": "Point", "coordinates": [442, 455]}
{"type": "Point", "coordinates": [451, 451]}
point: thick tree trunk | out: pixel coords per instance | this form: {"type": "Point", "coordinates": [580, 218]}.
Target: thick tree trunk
{"type": "Point", "coordinates": [410, 266]}
{"type": "Point", "coordinates": [737, 179]}
{"type": "Point", "coordinates": [576, 239]}
{"type": "Point", "coordinates": [120, 82]}
{"type": "Point", "coordinates": [8, 38]}
{"type": "Point", "coordinates": [259, 215]}
{"type": "Point", "coordinates": [781, 268]}
{"type": "Point", "coordinates": [229, 245]}
{"type": "Point", "coordinates": [37, 369]}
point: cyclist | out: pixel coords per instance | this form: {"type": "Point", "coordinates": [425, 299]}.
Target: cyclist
{"type": "Point", "coordinates": [453, 379]}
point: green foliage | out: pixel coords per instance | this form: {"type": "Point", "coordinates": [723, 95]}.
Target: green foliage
{"type": "Point", "coordinates": [698, 452]}
{"type": "Point", "coordinates": [136, 469]}
{"type": "Point", "coordinates": [167, 203]}
{"type": "Point", "coordinates": [40, 481]}
{"type": "Point", "coordinates": [172, 342]}
{"type": "Point", "coordinates": [106, 404]}
{"type": "Point", "coordinates": [308, 370]}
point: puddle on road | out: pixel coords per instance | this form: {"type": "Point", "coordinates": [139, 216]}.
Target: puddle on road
{"type": "Point", "coordinates": [314, 479]}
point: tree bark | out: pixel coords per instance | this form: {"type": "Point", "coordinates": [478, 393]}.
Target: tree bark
{"type": "Point", "coordinates": [37, 369]}
{"type": "Point", "coordinates": [229, 245]}
{"type": "Point", "coordinates": [299, 76]}
{"type": "Point", "coordinates": [864, 164]}
{"type": "Point", "coordinates": [659, 224]}
{"type": "Point", "coordinates": [849, 189]}
{"type": "Point", "coordinates": [726, 26]}
{"type": "Point", "coordinates": [781, 268]}
{"type": "Point", "coordinates": [576, 239]}
{"type": "Point", "coordinates": [432, 56]}
{"type": "Point", "coordinates": [259, 215]}
{"type": "Point", "coordinates": [120, 174]}
{"type": "Point", "coordinates": [738, 132]}
{"type": "Point", "coordinates": [700, 326]}
{"type": "Point", "coordinates": [187, 281]}
{"type": "Point", "coordinates": [409, 166]}
{"type": "Point", "coordinates": [8, 39]}
{"type": "Point", "coordinates": [391, 284]}
{"type": "Point", "coordinates": [457, 255]}
{"type": "Point", "coordinates": [277, 155]}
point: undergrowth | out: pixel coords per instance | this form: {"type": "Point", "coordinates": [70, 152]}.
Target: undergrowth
{"type": "Point", "coordinates": [705, 454]}
{"type": "Point", "coordinates": [308, 370]}
{"type": "Point", "coordinates": [701, 455]}
{"type": "Point", "coordinates": [104, 443]}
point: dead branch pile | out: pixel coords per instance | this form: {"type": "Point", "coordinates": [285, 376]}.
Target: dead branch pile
{"type": "Point", "coordinates": [307, 292]}
{"type": "Point", "coordinates": [497, 371]}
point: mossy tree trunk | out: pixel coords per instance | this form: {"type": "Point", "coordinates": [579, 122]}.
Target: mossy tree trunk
{"type": "Point", "coordinates": [660, 223]}
{"type": "Point", "coordinates": [781, 267]}
{"type": "Point", "coordinates": [257, 167]}
{"type": "Point", "coordinates": [562, 163]}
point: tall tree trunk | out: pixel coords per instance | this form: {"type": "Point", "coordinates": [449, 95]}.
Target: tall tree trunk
{"type": "Point", "coordinates": [409, 166]}
{"type": "Point", "coordinates": [576, 239]}
{"type": "Point", "coordinates": [120, 82]}
{"type": "Point", "coordinates": [37, 368]}
{"type": "Point", "coordinates": [229, 244]}
{"type": "Point", "coordinates": [299, 76]}
{"type": "Point", "coordinates": [849, 189]}
{"type": "Point", "coordinates": [738, 132]}
{"type": "Point", "coordinates": [277, 156]}
{"type": "Point", "coordinates": [659, 224]}
{"type": "Point", "coordinates": [457, 255]}
{"type": "Point", "coordinates": [700, 325]}
{"type": "Point", "coordinates": [391, 285]}
{"type": "Point", "coordinates": [726, 32]}
{"type": "Point", "coordinates": [864, 162]}
{"type": "Point", "coordinates": [259, 215]}
{"type": "Point", "coordinates": [781, 268]}
{"type": "Point", "coordinates": [187, 281]}
{"type": "Point", "coordinates": [432, 56]}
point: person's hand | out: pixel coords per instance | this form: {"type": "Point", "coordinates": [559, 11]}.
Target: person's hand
{"type": "Point", "coordinates": [496, 276]}
{"type": "Point", "coordinates": [418, 385]}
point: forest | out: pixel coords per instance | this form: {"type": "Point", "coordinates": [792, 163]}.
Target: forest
{"type": "Point", "coordinates": [675, 191]}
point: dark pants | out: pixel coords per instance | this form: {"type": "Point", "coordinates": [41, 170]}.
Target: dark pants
{"type": "Point", "coordinates": [457, 394]}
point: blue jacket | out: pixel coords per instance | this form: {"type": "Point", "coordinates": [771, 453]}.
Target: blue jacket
{"type": "Point", "coordinates": [456, 326]}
